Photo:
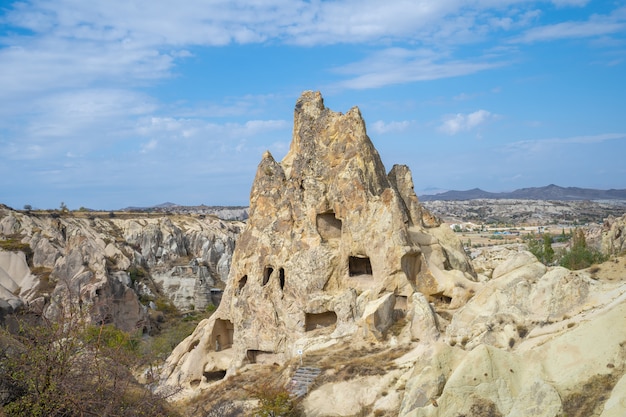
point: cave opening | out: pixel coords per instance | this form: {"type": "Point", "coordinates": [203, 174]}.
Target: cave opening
{"type": "Point", "coordinates": [314, 321]}
{"type": "Point", "coordinates": [267, 273]}
{"type": "Point", "coordinates": [223, 332]}
{"type": "Point", "coordinates": [242, 282]}
{"type": "Point", "coordinates": [359, 265]}
{"type": "Point", "coordinates": [281, 278]}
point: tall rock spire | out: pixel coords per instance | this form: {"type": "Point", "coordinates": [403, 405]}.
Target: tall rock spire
{"type": "Point", "coordinates": [331, 248]}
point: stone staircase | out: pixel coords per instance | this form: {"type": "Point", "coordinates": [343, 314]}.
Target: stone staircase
{"type": "Point", "coordinates": [302, 380]}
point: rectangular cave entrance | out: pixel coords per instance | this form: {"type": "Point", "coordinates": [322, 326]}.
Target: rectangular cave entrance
{"type": "Point", "coordinates": [328, 226]}
{"type": "Point", "coordinates": [261, 356]}
{"type": "Point", "coordinates": [314, 321]}
{"type": "Point", "coordinates": [214, 376]}
{"type": "Point", "coordinates": [359, 265]}
{"type": "Point", "coordinates": [222, 336]}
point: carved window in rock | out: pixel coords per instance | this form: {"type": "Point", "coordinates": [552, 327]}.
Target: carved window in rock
{"type": "Point", "coordinates": [328, 226]}
{"type": "Point", "coordinates": [214, 376]}
{"type": "Point", "coordinates": [242, 283]}
{"type": "Point", "coordinates": [281, 278]}
{"type": "Point", "coordinates": [359, 265]}
{"type": "Point", "coordinates": [261, 356]}
{"type": "Point", "coordinates": [314, 321]}
{"type": "Point", "coordinates": [267, 273]}
{"type": "Point", "coordinates": [222, 337]}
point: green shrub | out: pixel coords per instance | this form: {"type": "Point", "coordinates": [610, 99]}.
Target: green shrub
{"type": "Point", "coordinates": [580, 256]}
{"type": "Point", "coordinates": [137, 274]}
{"type": "Point", "coordinates": [165, 305]}
{"type": "Point", "coordinates": [541, 247]}
{"type": "Point", "coordinates": [66, 370]}
{"type": "Point", "coordinates": [110, 337]}
{"type": "Point", "coordinates": [274, 401]}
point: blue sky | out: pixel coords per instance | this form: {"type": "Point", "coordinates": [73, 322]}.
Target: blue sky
{"type": "Point", "coordinates": [108, 104]}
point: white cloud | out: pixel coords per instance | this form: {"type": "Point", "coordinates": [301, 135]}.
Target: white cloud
{"type": "Point", "coordinates": [76, 43]}
{"type": "Point", "coordinates": [399, 65]}
{"type": "Point", "coordinates": [176, 128]}
{"type": "Point", "coordinates": [453, 124]}
{"type": "Point", "coordinates": [595, 26]}
{"type": "Point", "coordinates": [149, 146]}
{"type": "Point", "coordinates": [381, 127]}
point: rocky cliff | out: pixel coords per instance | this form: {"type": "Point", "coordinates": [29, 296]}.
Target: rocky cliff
{"type": "Point", "coordinates": [341, 269]}
{"type": "Point", "coordinates": [111, 267]}
{"type": "Point", "coordinates": [333, 246]}
{"type": "Point", "coordinates": [613, 241]}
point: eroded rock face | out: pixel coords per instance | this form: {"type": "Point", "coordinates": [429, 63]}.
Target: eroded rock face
{"type": "Point", "coordinates": [332, 244]}
{"type": "Point", "coordinates": [614, 235]}
{"type": "Point", "coordinates": [93, 263]}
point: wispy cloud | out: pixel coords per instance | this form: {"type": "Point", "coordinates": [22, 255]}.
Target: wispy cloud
{"type": "Point", "coordinates": [595, 26]}
{"type": "Point", "coordinates": [399, 65]}
{"type": "Point", "coordinates": [545, 145]}
{"type": "Point", "coordinates": [453, 124]}
{"type": "Point", "coordinates": [382, 127]}
{"type": "Point", "coordinates": [73, 44]}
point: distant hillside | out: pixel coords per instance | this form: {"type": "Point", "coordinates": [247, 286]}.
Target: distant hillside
{"type": "Point", "coordinates": [223, 212]}
{"type": "Point", "coordinates": [549, 192]}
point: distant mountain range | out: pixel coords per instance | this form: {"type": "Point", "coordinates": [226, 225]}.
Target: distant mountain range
{"type": "Point", "coordinates": [549, 192]}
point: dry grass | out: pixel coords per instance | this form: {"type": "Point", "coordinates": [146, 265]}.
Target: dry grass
{"type": "Point", "coordinates": [236, 388]}
{"type": "Point", "coordinates": [591, 398]}
{"type": "Point", "coordinates": [345, 363]}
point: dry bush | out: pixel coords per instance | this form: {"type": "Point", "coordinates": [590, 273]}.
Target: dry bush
{"type": "Point", "coordinates": [67, 369]}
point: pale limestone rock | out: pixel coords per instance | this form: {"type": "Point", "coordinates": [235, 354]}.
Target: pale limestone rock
{"type": "Point", "coordinates": [540, 377]}
{"type": "Point", "coordinates": [332, 245]}
{"type": "Point", "coordinates": [523, 259]}
{"type": "Point", "coordinates": [422, 317]}
{"type": "Point", "coordinates": [614, 236]}
{"type": "Point", "coordinates": [350, 398]}
{"type": "Point", "coordinates": [13, 269]}
{"type": "Point", "coordinates": [521, 298]}
{"type": "Point", "coordinates": [401, 178]}
{"type": "Point", "coordinates": [16, 280]}
{"type": "Point", "coordinates": [486, 259]}
{"type": "Point", "coordinates": [378, 316]}
{"type": "Point", "coordinates": [428, 378]}
{"type": "Point", "coordinates": [88, 262]}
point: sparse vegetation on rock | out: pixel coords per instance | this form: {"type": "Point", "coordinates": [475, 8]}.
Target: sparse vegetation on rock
{"type": "Point", "coordinates": [580, 256]}
{"type": "Point", "coordinates": [63, 368]}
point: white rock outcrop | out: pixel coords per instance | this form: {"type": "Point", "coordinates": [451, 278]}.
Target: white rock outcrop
{"type": "Point", "coordinates": [106, 264]}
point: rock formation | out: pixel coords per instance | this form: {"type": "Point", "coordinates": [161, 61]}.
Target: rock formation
{"type": "Point", "coordinates": [614, 236]}
{"type": "Point", "coordinates": [107, 264]}
{"type": "Point", "coordinates": [337, 256]}
{"type": "Point", "coordinates": [333, 244]}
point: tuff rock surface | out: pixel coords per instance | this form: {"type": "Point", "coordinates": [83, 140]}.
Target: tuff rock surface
{"type": "Point", "coordinates": [613, 240]}
{"type": "Point", "coordinates": [332, 242]}
{"type": "Point", "coordinates": [106, 265]}
{"type": "Point", "coordinates": [339, 260]}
